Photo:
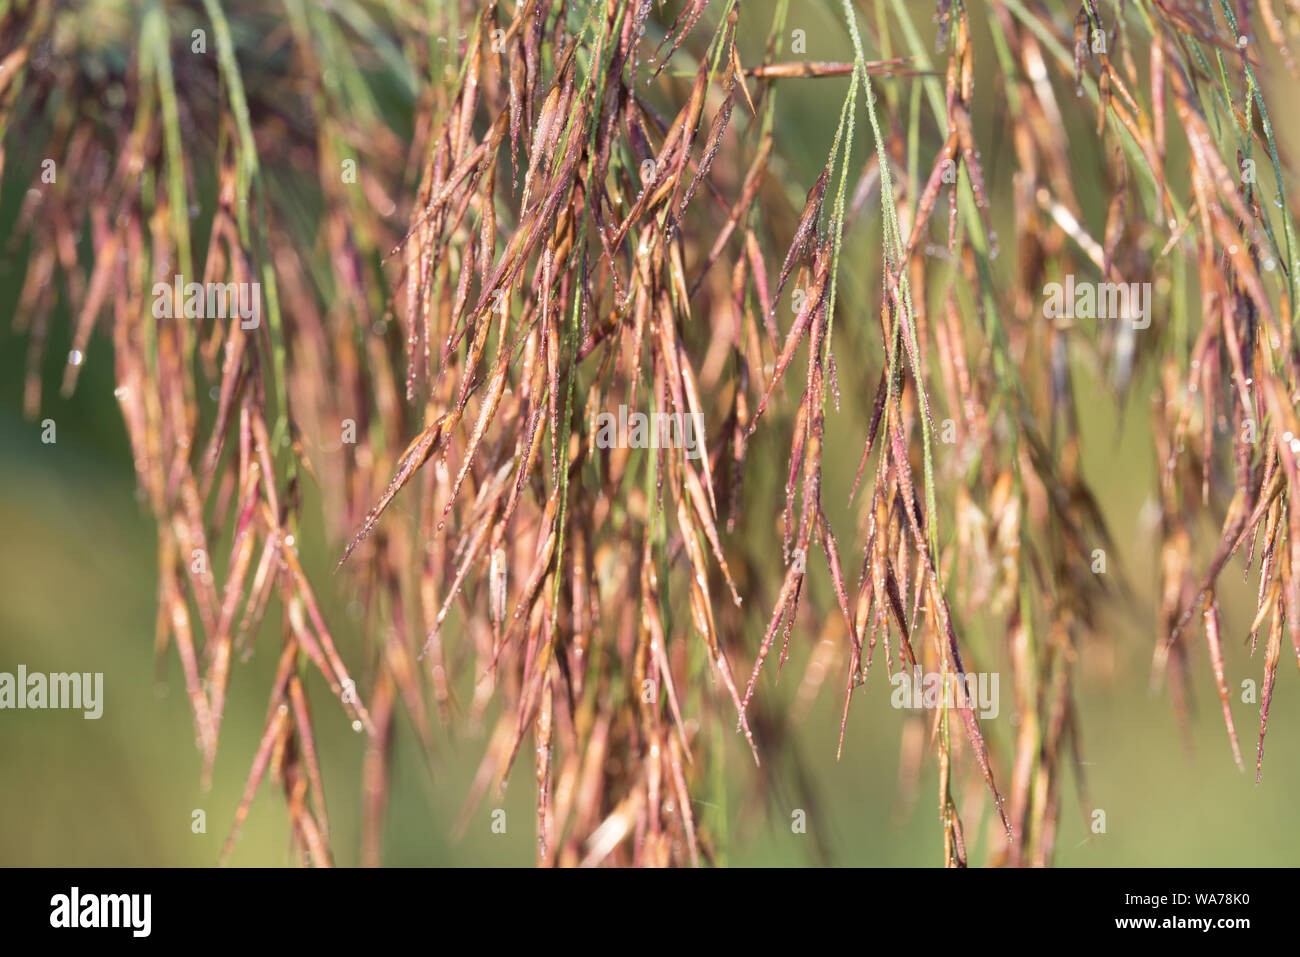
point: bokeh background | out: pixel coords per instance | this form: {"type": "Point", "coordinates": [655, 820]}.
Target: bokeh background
{"type": "Point", "coordinates": [77, 593]}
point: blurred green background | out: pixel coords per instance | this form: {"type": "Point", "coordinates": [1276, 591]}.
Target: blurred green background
{"type": "Point", "coordinates": [77, 567]}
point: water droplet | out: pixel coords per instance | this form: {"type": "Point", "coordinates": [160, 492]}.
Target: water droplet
{"type": "Point", "coordinates": [120, 392]}
{"type": "Point", "coordinates": [357, 726]}
{"type": "Point", "coordinates": [75, 358]}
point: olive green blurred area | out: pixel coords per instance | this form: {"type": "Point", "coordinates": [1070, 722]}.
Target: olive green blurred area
{"type": "Point", "coordinates": [78, 590]}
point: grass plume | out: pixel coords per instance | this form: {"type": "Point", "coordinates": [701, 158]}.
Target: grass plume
{"type": "Point", "coordinates": [478, 230]}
